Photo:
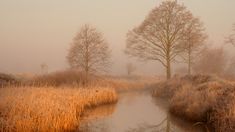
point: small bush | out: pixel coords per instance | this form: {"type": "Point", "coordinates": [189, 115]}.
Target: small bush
{"type": "Point", "coordinates": [62, 78]}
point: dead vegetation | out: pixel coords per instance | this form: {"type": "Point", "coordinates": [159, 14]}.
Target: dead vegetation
{"type": "Point", "coordinates": [74, 78]}
{"type": "Point", "coordinates": [56, 101]}
{"type": "Point", "coordinates": [48, 108]}
{"type": "Point", "coordinates": [58, 79]}
{"type": "Point", "coordinates": [6, 79]}
{"type": "Point", "coordinates": [201, 98]}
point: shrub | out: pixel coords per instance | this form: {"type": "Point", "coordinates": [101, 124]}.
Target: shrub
{"type": "Point", "coordinates": [61, 78]}
{"type": "Point", "coordinates": [201, 98]}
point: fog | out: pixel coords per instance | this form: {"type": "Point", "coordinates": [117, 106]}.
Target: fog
{"type": "Point", "coordinates": [35, 32]}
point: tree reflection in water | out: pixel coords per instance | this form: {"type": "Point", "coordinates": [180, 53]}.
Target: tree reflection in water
{"type": "Point", "coordinates": [128, 114]}
{"type": "Point", "coordinates": [168, 125]}
{"type": "Point", "coordinates": [163, 126]}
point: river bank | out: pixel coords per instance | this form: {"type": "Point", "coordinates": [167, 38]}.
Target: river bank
{"type": "Point", "coordinates": [136, 111]}
{"type": "Point", "coordinates": [56, 102]}
{"type": "Point", "coordinates": [204, 100]}
{"type": "Point", "coordinates": [28, 109]}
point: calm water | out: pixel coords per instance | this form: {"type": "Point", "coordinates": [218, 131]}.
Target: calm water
{"type": "Point", "coordinates": [134, 112]}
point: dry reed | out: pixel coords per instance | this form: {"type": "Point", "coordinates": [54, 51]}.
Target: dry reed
{"type": "Point", "coordinates": [201, 98]}
{"type": "Point", "coordinates": [48, 109]}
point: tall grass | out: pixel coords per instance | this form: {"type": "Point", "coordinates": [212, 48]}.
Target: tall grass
{"type": "Point", "coordinates": [53, 102]}
{"type": "Point", "coordinates": [48, 108]}
{"type": "Point", "coordinates": [73, 78]}
{"type": "Point", "coordinates": [201, 98]}
{"type": "Point", "coordinates": [59, 78]}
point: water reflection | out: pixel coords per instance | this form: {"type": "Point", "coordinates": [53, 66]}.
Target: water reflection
{"type": "Point", "coordinates": [98, 112]}
{"type": "Point", "coordinates": [135, 112]}
{"type": "Point", "coordinates": [91, 115]}
{"type": "Point", "coordinates": [168, 125]}
{"type": "Point", "coordinates": [163, 126]}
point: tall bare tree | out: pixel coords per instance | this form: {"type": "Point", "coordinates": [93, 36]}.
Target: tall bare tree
{"type": "Point", "coordinates": [231, 38]}
{"type": "Point", "coordinates": [212, 61]}
{"type": "Point", "coordinates": [130, 68]}
{"type": "Point", "coordinates": [89, 52]}
{"type": "Point", "coordinates": [193, 42]}
{"type": "Point", "coordinates": [230, 70]}
{"type": "Point", "coordinates": [158, 37]}
{"type": "Point", "coordinates": [44, 68]}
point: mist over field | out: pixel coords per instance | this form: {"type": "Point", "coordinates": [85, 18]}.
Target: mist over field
{"type": "Point", "coordinates": [36, 32]}
{"type": "Point", "coordinates": [117, 66]}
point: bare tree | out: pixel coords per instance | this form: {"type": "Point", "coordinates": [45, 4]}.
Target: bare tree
{"type": "Point", "coordinates": [212, 61]}
{"type": "Point", "coordinates": [231, 38]}
{"type": "Point", "coordinates": [230, 70]}
{"type": "Point", "coordinates": [130, 68]}
{"type": "Point", "coordinates": [181, 71]}
{"type": "Point", "coordinates": [89, 52]}
{"type": "Point", "coordinates": [158, 37]}
{"type": "Point", "coordinates": [193, 42]}
{"type": "Point", "coordinates": [44, 68]}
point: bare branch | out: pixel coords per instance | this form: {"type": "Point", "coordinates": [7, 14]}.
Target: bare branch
{"type": "Point", "coordinates": [89, 51]}
{"type": "Point", "coordinates": [160, 34]}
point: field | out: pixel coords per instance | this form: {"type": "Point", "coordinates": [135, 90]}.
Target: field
{"type": "Point", "coordinates": [205, 100]}
{"type": "Point", "coordinates": [56, 101]}
{"type": "Point", "coordinates": [73, 78]}
{"type": "Point", "coordinates": [48, 108]}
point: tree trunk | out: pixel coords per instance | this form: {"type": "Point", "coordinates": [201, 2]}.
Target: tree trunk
{"type": "Point", "coordinates": [189, 60]}
{"type": "Point", "coordinates": [189, 65]}
{"type": "Point", "coordinates": [168, 68]}
{"type": "Point", "coordinates": [87, 71]}
{"type": "Point", "coordinates": [87, 61]}
{"type": "Point", "coordinates": [189, 68]}
{"type": "Point", "coordinates": [128, 72]}
{"type": "Point", "coordinates": [168, 127]}
{"type": "Point", "coordinates": [86, 77]}
{"type": "Point", "coordinates": [87, 67]}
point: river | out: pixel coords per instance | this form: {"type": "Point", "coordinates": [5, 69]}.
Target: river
{"type": "Point", "coordinates": [134, 112]}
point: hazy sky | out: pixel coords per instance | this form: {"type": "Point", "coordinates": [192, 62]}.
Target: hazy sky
{"type": "Point", "coordinates": [33, 32]}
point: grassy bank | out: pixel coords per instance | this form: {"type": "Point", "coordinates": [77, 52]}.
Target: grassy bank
{"type": "Point", "coordinates": [73, 78]}
{"type": "Point", "coordinates": [201, 98]}
{"type": "Point", "coordinates": [48, 108]}
{"type": "Point", "coordinates": [56, 101]}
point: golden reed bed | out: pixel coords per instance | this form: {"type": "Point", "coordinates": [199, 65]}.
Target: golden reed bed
{"type": "Point", "coordinates": [48, 108]}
